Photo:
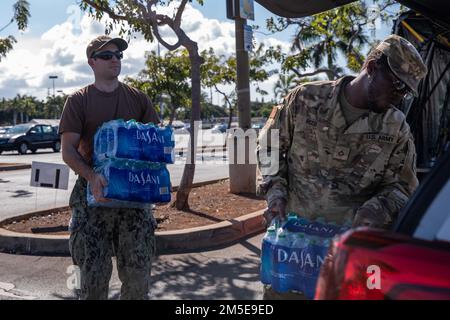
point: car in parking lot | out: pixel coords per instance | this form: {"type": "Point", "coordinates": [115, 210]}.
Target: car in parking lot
{"type": "Point", "coordinates": [4, 129]}
{"type": "Point", "coordinates": [24, 137]}
{"type": "Point", "coordinates": [410, 261]}
{"type": "Point", "coordinates": [220, 128]}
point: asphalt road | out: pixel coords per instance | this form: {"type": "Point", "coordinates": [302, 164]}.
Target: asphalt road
{"type": "Point", "coordinates": [17, 196]}
{"type": "Point", "coordinates": [227, 273]}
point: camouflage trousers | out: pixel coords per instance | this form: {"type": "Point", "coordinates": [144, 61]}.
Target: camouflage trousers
{"type": "Point", "coordinates": [97, 234]}
{"type": "Point", "coordinates": [270, 294]}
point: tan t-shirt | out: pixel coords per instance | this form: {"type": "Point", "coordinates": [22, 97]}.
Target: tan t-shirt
{"type": "Point", "coordinates": [87, 109]}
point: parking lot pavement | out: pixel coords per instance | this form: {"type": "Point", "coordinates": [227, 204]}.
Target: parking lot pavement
{"type": "Point", "coordinates": [44, 155]}
{"type": "Point", "coordinates": [227, 273]}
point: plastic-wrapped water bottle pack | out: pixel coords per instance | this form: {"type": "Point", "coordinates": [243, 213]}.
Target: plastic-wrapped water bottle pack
{"type": "Point", "coordinates": [132, 157]}
{"type": "Point", "coordinates": [134, 140]}
{"type": "Point", "coordinates": [132, 183]}
{"type": "Point", "coordinates": [294, 251]}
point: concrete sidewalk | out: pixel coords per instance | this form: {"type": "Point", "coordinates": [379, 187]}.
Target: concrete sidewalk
{"type": "Point", "coordinates": [227, 273]}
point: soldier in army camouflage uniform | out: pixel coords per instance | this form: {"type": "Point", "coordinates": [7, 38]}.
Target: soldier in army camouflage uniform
{"type": "Point", "coordinates": [345, 152]}
{"type": "Point", "coordinates": [98, 233]}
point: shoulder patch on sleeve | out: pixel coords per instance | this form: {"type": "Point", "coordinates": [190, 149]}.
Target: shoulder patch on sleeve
{"type": "Point", "coordinates": [273, 113]}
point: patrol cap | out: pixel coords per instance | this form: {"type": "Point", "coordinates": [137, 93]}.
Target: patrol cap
{"type": "Point", "coordinates": [404, 60]}
{"type": "Point", "coordinates": [102, 41]}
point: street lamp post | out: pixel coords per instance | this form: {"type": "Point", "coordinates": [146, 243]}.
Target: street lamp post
{"type": "Point", "coordinates": [53, 79]}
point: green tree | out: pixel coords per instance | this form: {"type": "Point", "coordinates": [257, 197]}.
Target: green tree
{"type": "Point", "coordinates": [20, 108]}
{"type": "Point", "coordinates": [221, 70]}
{"type": "Point", "coordinates": [287, 82]}
{"type": "Point", "coordinates": [169, 74]}
{"type": "Point", "coordinates": [320, 38]}
{"type": "Point", "coordinates": [7, 112]}
{"type": "Point", "coordinates": [284, 84]}
{"type": "Point", "coordinates": [262, 109]}
{"type": "Point", "coordinates": [53, 107]}
{"type": "Point", "coordinates": [143, 16]}
{"type": "Point", "coordinates": [21, 14]}
{"type": "Point", "coordinates": [259, 62]}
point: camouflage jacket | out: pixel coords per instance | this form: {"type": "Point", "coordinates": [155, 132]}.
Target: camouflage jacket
{"type": "Point", "coordinates": [327, 168]}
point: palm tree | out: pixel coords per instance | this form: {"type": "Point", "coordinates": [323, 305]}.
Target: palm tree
{"type": "Point", "coordinates": [23, 106]}
{"type": "Point", "coordinates": [284, 84]}
{"type": "Point", "coordinates": [319, 39]}
{"type": "Point", "coordinates": [53, 106]}
{"type": "Point", "coordinates": [326, 34]}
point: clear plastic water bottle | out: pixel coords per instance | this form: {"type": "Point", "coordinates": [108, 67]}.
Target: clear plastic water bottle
{"type": "Point", "coordinates": [105, 141]}
{"type": "Point", "coordinates": [326, 243]}
{"type": "Point", "coordinates": [128, 142]}
{"type": "Point", "coordinates": [280, 276]}
{"type": "Point", "coordinates": [168, 137]}
{"type": "Point", "coordinates": [300, 241]}
{"type": "Point", "coordinates": [267, 255]}
{"type": "Point", "coordinates": [158, 144]}
{"type": "Point", "coordinates": [284, 237]}
{"type": "Point", "coordinates": [292, 216]}
{"type": "Point", "coordinates": [321, 220]}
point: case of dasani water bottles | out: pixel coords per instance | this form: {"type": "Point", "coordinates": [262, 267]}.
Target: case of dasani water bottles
{"type": "Point", "coordinates": [132, 157]}
{"type": "Point", "coordinates": [134, 140]}
{"type": "Point", "coordinates": [132, 183]}
{"type": "Point", "coordinates": [294, 251]}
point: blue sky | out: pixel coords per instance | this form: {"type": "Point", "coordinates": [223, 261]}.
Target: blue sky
{"type": "Point", "coordinates": [58, 34]}
{"type": "Point", "coordinates": [44, 14]}
{"type": "Point", "coordinates": [47, 13]}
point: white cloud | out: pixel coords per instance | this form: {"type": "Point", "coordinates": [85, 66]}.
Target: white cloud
{"type": "Point", "coordinates": [61, 51]}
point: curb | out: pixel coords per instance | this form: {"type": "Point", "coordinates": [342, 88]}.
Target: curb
{"type": "Point", "coordinates": [167, 242]}
{"type": "Point", "coordinates": [15, 167]}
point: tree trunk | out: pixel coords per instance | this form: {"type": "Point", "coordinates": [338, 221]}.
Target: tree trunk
{"type": "Point", "coordinates": [227, 103]}
{"type": "Point", "coordinates": [172, 114]}
{"type": "Point", "coordinates": [185, 188]}
{"type": "Point", "coordinates": [330, 65]}
{"type": "Point", "coordinates": [230, 116]}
